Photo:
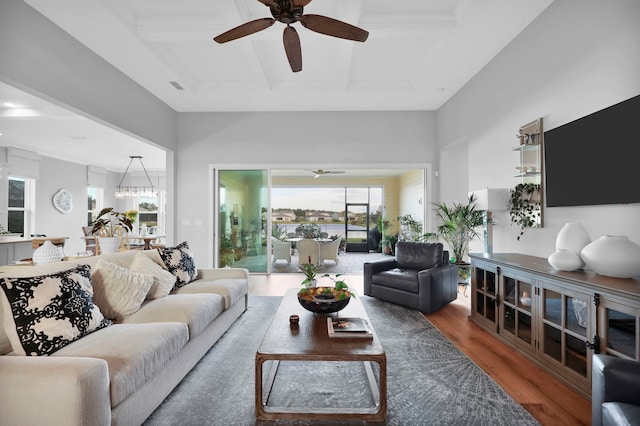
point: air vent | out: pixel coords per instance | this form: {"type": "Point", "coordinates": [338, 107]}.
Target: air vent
{"type": "Point", "coordinates": [176, 85]}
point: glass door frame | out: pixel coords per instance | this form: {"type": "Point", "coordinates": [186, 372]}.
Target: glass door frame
{"type": "Point", "coordinates": [214, 203]}
{"type": "Point", "coordinates": [214, 215]}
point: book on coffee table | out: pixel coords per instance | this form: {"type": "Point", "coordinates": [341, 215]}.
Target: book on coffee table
{"type": "Point", "coordinates": [350, 328]}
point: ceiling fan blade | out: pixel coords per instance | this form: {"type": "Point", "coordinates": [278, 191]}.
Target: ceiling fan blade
{"type": "Point", "coordinates": [300, 3]}
{"type": "Point", "coordinates": [245, 29]}
{"type": "Point", "coordinates": [333, 27]}
{"type": "Point", "coordinates": [292, 48]}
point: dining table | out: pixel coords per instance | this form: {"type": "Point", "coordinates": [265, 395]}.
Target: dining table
{"type": "Point", "coordinates": [147, 239]}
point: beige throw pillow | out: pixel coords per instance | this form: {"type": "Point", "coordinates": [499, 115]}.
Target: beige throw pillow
{"type": "Point", "coordinates": [118, 291]}
{"type": "Point", "coordinates": [163, 280]}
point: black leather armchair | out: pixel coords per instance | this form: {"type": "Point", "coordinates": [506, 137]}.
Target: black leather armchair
{"type": "Point", "coordinates": [615, 391]}
{"type": "Point", "coordinates": [419, 277]}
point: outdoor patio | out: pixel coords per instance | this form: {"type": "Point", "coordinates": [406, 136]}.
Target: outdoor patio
{"type": "Point", "coordinates": [350, 263]}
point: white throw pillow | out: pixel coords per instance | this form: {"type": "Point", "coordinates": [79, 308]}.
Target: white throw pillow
{"type": "Point", "coordinates": [118, 291]}
{"type": "Point", "coordinates": [163, 280]}
{"type": "Point", "coordinates": [45, 313]}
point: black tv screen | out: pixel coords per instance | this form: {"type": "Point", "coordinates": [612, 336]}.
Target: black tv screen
{"type": "Point", "coordinates": [595, 159]}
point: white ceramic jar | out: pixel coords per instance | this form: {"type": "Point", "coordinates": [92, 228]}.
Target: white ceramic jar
{"type": "Point", "coordinates": [47, 253]}
{"type": "Point", "coordinates": [565, 260]}
{"type": "Point", "coordinates": [613, 256]}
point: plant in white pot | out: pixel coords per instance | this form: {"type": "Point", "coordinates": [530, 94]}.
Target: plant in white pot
{"type": "Point", "coordinates": [458, 227]}
{"type": "Point", "coordinates": [109, 227]}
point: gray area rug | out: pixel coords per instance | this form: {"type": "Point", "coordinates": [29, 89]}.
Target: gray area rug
{"type": "Point", "coordinates": [430, 382]}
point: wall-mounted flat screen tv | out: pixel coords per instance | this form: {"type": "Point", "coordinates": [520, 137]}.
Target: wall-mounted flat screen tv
{"type": "Point", "coordinates": [595, 159]}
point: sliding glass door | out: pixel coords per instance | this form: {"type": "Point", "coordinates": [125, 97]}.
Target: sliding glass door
{"type": "Point", "coordinates": [242, 201]}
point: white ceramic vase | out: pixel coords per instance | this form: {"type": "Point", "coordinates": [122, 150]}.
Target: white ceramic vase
{"type": "Point", "coordinates": [565, 260]}
{"type": "Point", "coordinates": [47, 253]}
{"type": "Point", "coordinates": [613, 256]}
{"type": "Point", "coordinates": [109, 244]}
{"type": "Point", "coordinates": [573, 237]}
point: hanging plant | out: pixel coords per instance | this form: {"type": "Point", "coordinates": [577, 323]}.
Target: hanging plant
{"type": "Point", "coordinates": [524, 206]}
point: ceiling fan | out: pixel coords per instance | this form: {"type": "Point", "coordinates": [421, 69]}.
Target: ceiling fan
{"type": "Point", "coordinates": [289, 12]}
{"type": "Point", "coordinates": [320, 172]}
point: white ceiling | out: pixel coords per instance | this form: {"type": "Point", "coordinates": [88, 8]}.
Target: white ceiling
{"type": "Point", "coordinates": [418, 54]}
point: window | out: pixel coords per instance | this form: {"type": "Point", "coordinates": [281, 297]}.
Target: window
{"type": "Point", "coordinates": [94, 199]}
{"type": "Point", "coordinates": [20, 205]}
{"type": "Point", "coordinates": [148, 211]}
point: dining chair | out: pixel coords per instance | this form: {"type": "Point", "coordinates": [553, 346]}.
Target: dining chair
{"type": "Point", "coordinates": [329, 251]}
{"type": "Point", "coordinates": [308, 251]}
{"type": "Point", "coordinates": [281, 250]}
{"type": "Point", "coordinates": [90, 243]}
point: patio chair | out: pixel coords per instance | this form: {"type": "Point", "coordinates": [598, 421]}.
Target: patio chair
{"type": "Point", "coordinates": [308, 249]}
{"type": "Point", "coordinates": [281, 250]}
{"type": "Point", "coordinates": [329, 251]}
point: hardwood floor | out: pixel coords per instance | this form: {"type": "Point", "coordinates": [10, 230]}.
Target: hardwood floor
{"type": "Point", "coordinates": [547, 399]}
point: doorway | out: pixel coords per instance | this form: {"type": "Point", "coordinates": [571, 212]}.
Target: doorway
{"type": "Point", "coordinates": [356, 227]}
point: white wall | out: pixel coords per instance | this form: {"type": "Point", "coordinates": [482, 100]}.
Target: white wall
{"type": "Point", "coordinates": [578, 57]}
{"type": "Point", "coordinates": [318, 139]}
{"type": "Point", "coordinates": [54, 175]}
{"type": "Point", "coordinates": [40, 58]}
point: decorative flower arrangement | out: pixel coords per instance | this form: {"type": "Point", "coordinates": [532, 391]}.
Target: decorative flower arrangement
{"type": "Point", "coordinates": [309, 230]}
{"type": "Point", "coordinates": [132, 215]}
{"type": "Point", "coordinates": [309, 270]}
{"type": "Point", "coordinates": [339, 291]}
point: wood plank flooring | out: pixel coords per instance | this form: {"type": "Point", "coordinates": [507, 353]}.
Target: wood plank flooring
{"type": "Point", "coordinates": [547, 399]}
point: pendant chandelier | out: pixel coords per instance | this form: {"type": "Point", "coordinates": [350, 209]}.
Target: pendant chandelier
{"type": "Point", "coordinates": [134, 191]}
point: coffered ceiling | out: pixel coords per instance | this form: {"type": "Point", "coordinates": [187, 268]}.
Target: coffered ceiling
{"type": "Point", "coordinates": [419, 53]}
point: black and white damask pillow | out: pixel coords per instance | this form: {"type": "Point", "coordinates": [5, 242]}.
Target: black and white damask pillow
{"type": "Point", "coordinates": [180, 262]}
{"type": "Point", "coordinates": [45, 313]}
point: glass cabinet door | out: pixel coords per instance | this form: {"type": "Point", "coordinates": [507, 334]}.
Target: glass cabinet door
{"type": "Point", "coordinates": [484, 282]}
{"type": "Point", "coordinates": [619, 331]}
{"type": "Point", "coordinates": [515, 313]}
{"type": "Point", "coordinates": [566, 329]}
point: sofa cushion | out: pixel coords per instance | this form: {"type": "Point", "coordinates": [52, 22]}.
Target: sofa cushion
{"type": "Point", "coordinates": [43, 314]}
{"type": "Point", "coordinates": [134, 352]}
{"type": "Point", "coordinates": [163, 280]}
{"type": "Point", "coordinates": [420, 256]}
{"type": "Point", "coordinates": [232, 289]}
{"type": "Point", "coordinates": [194, 310]}
{"type": "Point", "coordinates": [36, 270]}
{"type": "Point", "coordinates": [398, 278]}
{"type": "Point", "coordinates": [180, 262]}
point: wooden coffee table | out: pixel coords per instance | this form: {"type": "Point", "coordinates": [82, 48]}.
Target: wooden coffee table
{"type": "Point", "coordinates": [310, 341]}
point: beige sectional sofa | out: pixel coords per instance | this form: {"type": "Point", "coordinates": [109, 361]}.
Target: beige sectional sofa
{"type": "Point", "coordinates": [118, 374]}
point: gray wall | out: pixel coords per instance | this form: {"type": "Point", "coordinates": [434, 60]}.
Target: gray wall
{"type": "Point", "coordinates": [40, 58]}
{"type": "Point", "coordinates": [316, 139]}
{"type": "Point", "coordinates": [577, 57]}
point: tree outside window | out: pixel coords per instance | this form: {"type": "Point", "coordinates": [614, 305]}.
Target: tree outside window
{"type": "Point", "coordinates": [17, 205]}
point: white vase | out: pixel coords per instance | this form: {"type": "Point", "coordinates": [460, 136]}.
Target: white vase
{"type": "Point", "coordinates": [109, 244]}
{"type": "Point", "coordinates": [565, 260]}
{"type": "Point", "coordinates": [613, 256]}
{"type": "Point", "coordinates": [47, 253]}
{"type": "Point", "coordinates": [573, 237]}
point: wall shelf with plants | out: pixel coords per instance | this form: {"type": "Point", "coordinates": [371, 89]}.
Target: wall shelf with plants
{"type": "Point", "coordinates": [526, 197]}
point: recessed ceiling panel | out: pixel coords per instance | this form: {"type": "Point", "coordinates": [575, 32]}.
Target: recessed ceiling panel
{"type": "Point", "coordinates": [158, 41]}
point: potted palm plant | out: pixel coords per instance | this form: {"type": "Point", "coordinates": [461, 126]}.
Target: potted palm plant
{"type": "Point", "coordinates": [108, 228]}
{"type": "Point", "coordinates": [457, 228]}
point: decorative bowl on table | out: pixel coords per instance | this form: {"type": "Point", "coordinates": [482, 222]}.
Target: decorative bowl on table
{"type": "Point", "coordinates": [323, 300]}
